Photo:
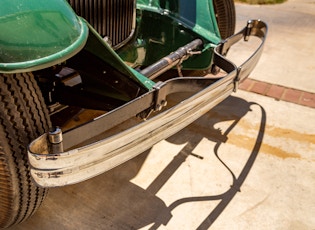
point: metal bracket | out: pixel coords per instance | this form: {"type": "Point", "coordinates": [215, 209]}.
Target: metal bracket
{"type": "Point", "coordinates": [55, 139]}
{"type": "Point", "coordinates": [248, 30]}
{"type": "Point", "coordinates": [160, 96]}
{"type": "Point", "coordinates": [159, 100]}
{"type": "Point", "coordinates": [224, 46]}
{"type": "Point", "coordinates": [237, 79]}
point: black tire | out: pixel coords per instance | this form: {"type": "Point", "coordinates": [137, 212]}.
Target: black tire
{"type": "Point", "coordinates": [225, 15]}
{"type": "Point", "coordinates": [23, 116]}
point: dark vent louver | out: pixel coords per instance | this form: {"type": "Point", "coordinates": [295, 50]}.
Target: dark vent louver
{"type": "Point", "coordinates": [113, 19]}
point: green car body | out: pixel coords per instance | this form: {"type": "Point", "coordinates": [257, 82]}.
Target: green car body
{"type": "Point", "coordinates": [40, 34]}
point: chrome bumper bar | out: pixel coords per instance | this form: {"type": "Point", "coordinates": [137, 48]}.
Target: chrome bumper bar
{"type": "Point", "coordinates": [51, 168]}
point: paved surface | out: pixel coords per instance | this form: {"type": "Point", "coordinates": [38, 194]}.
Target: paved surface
{"type": "Point", "coordinates": [279, 92]}
{"type": "Point", "coordinates": [247, 164]}
{"type": "Point", "coordinates": [289, 54]}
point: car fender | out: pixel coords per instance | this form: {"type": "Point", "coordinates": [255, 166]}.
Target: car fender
{"type": "Point", "coordinates": [36, 34]}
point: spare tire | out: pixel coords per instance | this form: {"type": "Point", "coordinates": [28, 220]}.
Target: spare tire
{"type": "Point", "coordinates": [225, 15]}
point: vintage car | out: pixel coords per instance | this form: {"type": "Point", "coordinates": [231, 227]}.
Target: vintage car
{"type": "Point", "coordinates": [118, 61]}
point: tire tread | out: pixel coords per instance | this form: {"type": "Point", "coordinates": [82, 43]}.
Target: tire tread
{"type": "Point", "coordinates": [23, 116]}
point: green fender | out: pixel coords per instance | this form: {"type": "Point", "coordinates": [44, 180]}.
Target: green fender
{"type": "Point", "coordinates": [36, 34]}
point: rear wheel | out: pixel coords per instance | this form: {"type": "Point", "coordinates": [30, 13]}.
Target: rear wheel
{"type": "Point", "coordinates": [225, 15]}
{"type": "Point", "coordinates": [226, 19]}
{"type": "Point", "coordinates": [23, 116]}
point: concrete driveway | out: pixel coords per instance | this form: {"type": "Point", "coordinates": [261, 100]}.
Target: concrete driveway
{"type": "Point", "coordinates": [247, 164]}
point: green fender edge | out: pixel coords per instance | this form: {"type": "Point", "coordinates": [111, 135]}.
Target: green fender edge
{"type": "Point", "coordinates": [36, 35]}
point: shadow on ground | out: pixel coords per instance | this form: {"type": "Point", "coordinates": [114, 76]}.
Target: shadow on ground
{"type": "Point", "coordinates": [111, 201]}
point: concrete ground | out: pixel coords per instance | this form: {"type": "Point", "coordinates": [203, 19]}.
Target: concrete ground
{"type": "Point", "coordinates": [247, 164]}
{"type": "Point", "coordinates": [289, 54]}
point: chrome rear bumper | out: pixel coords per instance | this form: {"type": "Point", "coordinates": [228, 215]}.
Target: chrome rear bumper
{"type": "Point", "coordinates": [50, 169]}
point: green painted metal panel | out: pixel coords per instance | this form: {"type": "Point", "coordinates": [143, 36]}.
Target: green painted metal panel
{"type": "Point", "coordinates": [163, 26]}
{"type": "Point", "coordinates": [196, 14]}
{"type": "Point", "coordinates": [38, 33]}
{"type": "Point", "coordinates": [97, 46]}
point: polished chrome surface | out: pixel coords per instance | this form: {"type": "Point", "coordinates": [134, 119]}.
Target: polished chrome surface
{"type": "Point", "coordinates": [83, 163]}
{"type": "Point", "coordinates": [55, 135]}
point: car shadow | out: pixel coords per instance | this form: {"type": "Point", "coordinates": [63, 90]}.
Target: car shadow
{"type": "Point", "coordinates": [112, 201]}
{"type": "Point", "coordinates": [232, 108]}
